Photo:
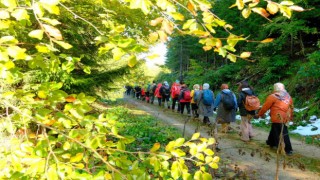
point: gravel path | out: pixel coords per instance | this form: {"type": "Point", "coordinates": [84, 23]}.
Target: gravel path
{"type": "Point", "coordinates": [255, 158]}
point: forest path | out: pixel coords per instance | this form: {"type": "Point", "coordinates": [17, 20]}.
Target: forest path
{"type": "Point", "coordinates": [254, 158]}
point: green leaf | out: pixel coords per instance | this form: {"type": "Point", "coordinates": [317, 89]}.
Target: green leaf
{"type": "Point", "coordinates": [87, 69]}
{"type": "Point", "coordinates": [52, 173]}
{"type": "Point", "coordinates": [42, 49]}
{"type": "Point", "coordinates": [38, 34]}
{"type": "Point", "coordinates": [63, 44]}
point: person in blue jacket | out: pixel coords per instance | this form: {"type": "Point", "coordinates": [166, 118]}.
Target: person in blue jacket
{"type": "Point", "coordinates": [226, 102]}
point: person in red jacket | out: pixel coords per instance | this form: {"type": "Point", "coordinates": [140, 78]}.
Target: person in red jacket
{"type": "Point", "coordinates": [281, 111]}
{"type": "Point", "coordinates": [157, 93]}
{"type": "Point", "coordinates": [185, 99]}
{"type": "Point", "coordinates": [175, 92]}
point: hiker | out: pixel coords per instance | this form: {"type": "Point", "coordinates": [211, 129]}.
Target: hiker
{"type": "Point", "coordinates": [152, 91]}
{"type": "Point", "coordinates": [195, 94]}
{"type": "Point", "coordinates": [226, 103]}
{"type": "Point", "coordinates": [205, 103]}
{"type": "Point", "coordinates": [143, 94]}
{"type": "Point", "coordinates": [165, 93]}
{"type": "Point", "coordinates": [246, 115]}
{"type": "Point", "coordinates": [148, 87]}
{"type": "Point", "coordinates": [137, 90]}
{"type": "Point", "coordinates": [280, 105]}
{"type": "Point", "coordinates": [175, 92]}
{"type": "Point", "coordinates": [157, 94]}
{"type": "Point", "coordinates": [185, 99]}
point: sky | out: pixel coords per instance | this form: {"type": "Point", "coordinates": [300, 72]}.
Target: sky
{"type": "Point", "coordinates": [158, 51]}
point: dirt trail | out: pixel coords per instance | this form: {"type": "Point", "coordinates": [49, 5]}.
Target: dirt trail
{"type": "Point", "coordinates": [253, 154]}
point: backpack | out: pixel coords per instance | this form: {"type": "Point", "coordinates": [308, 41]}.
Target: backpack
{"type": "Point", "coordinates": [186, 95]}
{"type": "Point", "coordinates": [228, 101]}
{"type": "Point", "coordinates": [165, 91]}
{"type": "Point", "coordinates": [153, 88]}
{"type": "Point", "coordinates": [196, 95]}
{"type": "Point", "coordinates": [175, 91]}
{"type": "Point", "coordinates": [207, 97]}
{"type": "Point", "coordinates": [252, 103]}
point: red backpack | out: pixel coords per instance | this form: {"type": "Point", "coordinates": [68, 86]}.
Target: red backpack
{"type": "Point", "coordinates": [186, 95]}
{"type": "Point", "coordinates": [175, 91]}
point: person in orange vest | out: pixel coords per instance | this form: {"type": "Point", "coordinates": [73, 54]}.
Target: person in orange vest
{"type": "Point", "coordinates": [280, 105]}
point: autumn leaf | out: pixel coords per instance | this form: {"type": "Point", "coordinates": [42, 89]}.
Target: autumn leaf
{"type": "Point", "coordinates": [156, 21]}
{"type": "Point", "coordinates": [272, 7]}
{"type": "Point", "coordinates": [52, 31]}
{"type": "Point", "coordinates": [261, 11]}
{"type": "Point", "coordinates": [245, 55]}
{"type": "Point", "coordinates": [296, 8]}
{"type": "Point", "coordinates": [267, 40]}
{"type": "Point", "coordinates": [155, 147]}
{"type": "Point", "coordinates": [70, 99]}
{"type": "Point", "coordinates": [246, 12]}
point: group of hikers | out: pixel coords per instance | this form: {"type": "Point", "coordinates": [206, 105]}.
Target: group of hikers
{"type": "Point", "coordinates": [200, 100]}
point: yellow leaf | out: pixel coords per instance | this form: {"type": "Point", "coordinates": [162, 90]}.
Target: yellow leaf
{"type": "Point", "coordinates": [53, 22]}
{"type": "Point", "coordinates": [50, 2]}
{"type": "Point", "coordinates": [245, 55]}
{"type": "Point", "coordinates": [286, 11]}
{"type": "Point", "coordinates": [53, 32]}
{"type": "Point", "coordinates": [187, 24]}
{"type": "Point", "coordinates": [17, 52]}
{"type": "Point", "coordinates": [9, 3]}
{"type": "Point", "coordinates": [42, 94]}
{"type": "Point", "coordinates": [38, 34]}
{"type": "Point", "coordinates": [213, 165]}
{"type": "Point", "coordinates": [232, 57]}
{"type": "Point", "coordinates": [240, 4]}
{"type": "Point", "coordinates": [177, 16]}
{"type": "Point", "coordinates": [4, 14]}
{"type": "Point", "coordinates": [153, 56]}
{"type": "Point", "coordinates": [246, 12]}
{"type": "Point", "coordinates": [296, 8]}
{"type": "Point", "coordinates": [144, 5]}
{"type": "Point", "coordinates": [132, 61]}
{"type": "Point", "coordinates": [267, 40]}
{"type": "Point", "coordinates": [153, 37]}
{"type": "Point", "coordinates": [272, 7]}
{"type": "Point", "coordinates": [287, 3]}
{"type": "Point", "coordinates": [52, 9]}
{"type": "Point", "coordinates": [4, 56]}
{"type": "Point", "coordinates": [66, 146]}
{"type": "Point", "coordinates": [163, 36]}
{"type": "Point", "coordinates": [163, 4]}
{"type": "Point", "coordinates": [155, 147]}
{"type": "Point", "coordinates": [167, 26]}
{"type": "Point", "coordinates": [195, 136]}
{"type": "Point", "coordinates": [117, 53]}
{"type": "Point", "coordinates": [4, 24]}
{"type": "Point", "coordinates": [191, 8]}
{"type": "Point", "coordinates": [20, 14]}
{"type": "Point", "coordinates": [63, 44]}
{"type": "Point", "coordinates": [8, 40]}
{"type": "Point", "coordinates": [156, 21]}
{"type": "Point", "coordinates": [228, 26]}
{"type": "Point", "coordinates": [207, 48]}
{"type": "Point", "coordinates": [38, 9]}
{"type": "Point", "coordinates": [78, 157]}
